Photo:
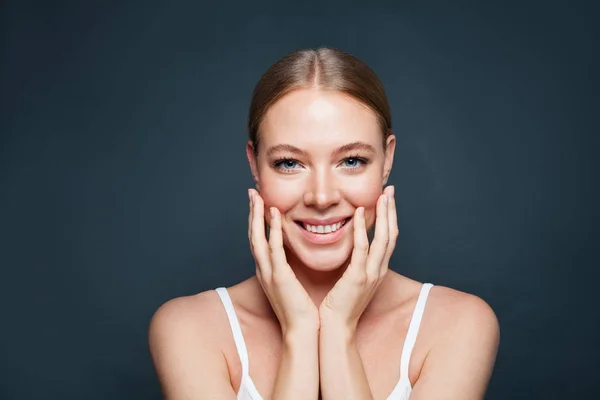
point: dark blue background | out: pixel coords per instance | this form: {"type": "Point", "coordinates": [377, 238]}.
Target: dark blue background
{"type": "Point", "coordinates": [123, 176]}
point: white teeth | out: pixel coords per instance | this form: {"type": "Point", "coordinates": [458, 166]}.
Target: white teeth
{"type": "Point", "coordinates": [323, 228]}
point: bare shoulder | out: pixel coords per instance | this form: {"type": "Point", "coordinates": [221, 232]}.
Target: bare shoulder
{"type": "Point", "coordinates": [185, 345]}
{"type": "Point", "coordinates": [187, 313]}
{"type": "Point", "coordinates": [460, 360]}
{"type": "Point", "coordinates": [446, 308]}
{"type": "Point", "coordinates": [461, 310]}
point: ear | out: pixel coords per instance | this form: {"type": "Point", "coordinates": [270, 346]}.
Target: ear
{"type": "Point", "coordinates": [253, 164]}
{"type": "Point", "coordinates": [389, 157]}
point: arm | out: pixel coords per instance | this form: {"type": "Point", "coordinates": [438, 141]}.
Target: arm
{"type": "Point", "coordinates": [341, 370]}
{"type": "Point", "coordinates": [298, 316]}
{"type": "Point", "coordinates": [460, 364]}
{"type": "Point", "coordinates": [298, 373]}
{"type": "Point", "coordinates": [189, 364]}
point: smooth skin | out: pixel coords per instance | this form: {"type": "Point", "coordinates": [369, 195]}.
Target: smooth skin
{"type": "Point", "coordinates": [338, 314]}
{"type": "Point", "coordinates": [323, 321]}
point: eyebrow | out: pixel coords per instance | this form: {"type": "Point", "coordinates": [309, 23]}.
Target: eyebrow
{"type": "Point", "coordinates": [342, 149]}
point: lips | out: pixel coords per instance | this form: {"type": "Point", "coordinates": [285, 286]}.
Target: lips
{"type": "Point", "coordinates": [324, 237]}
{"type": "Point", "coordinates": [322, 222]}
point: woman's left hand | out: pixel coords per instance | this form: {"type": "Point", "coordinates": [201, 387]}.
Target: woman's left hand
{"type": "Point", "coordinates": [353, 292]}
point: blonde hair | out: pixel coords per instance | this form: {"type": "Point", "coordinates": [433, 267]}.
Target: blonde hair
{"type": "Point", "coordinates": [322, 68]}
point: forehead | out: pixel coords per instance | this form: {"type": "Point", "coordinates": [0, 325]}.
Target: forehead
{"type": "Point", "coordinates": [310, 117]}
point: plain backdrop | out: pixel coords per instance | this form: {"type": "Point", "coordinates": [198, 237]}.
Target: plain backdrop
{"type": "Point", "coordinates": [123, 177]}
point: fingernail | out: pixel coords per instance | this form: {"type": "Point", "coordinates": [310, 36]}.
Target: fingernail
{"type": "Point", "coordinates": [361, 211]}
{"type": "Point", "coordinates": [249, 195]}
{"type": "Point", "coordinates": [391, 191]}
{"type": "Point", "coordinates": [385, 199]}
{"type": "Point", "coordinates": [272, 212]}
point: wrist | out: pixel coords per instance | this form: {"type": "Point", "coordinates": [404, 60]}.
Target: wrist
{"type": "Point", "coordinates": [337, 332]}
{"type": "Point", "coordinates": [300, 336]}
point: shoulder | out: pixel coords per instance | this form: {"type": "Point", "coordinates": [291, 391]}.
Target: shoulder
{"type": "Point", "coordinates": [449, 312]}
{"type": "Point", "coordinates": [463, 311]}
{"type": "Point", "coordinates": [182, 324]}
{"type": "Point", "coordinates": [200, 313]}
{"type": "Point", "coordinates": [185, 343]}
{"type": "Point", "coordinates": [460, 360]}
{"type": "Point", "coordinates": [181, 315]}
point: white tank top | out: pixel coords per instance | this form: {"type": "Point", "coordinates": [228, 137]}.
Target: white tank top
{"type": "Point", "coordinates": [402, 389]}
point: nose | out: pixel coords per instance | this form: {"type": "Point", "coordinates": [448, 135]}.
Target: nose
{"type": "Point", "coordinates": [322, 190]}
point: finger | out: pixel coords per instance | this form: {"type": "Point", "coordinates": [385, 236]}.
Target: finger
{"type": "Point", "coordinates": [361, 241]}
{"type": "Point", "coordinates": [259, 241]}
{"type": "Point", "coordinates": [250, 225]}
{"type": "Point", "coordinates": [278, 259]}
{"type": "Point", "coordinates": [381, 240]}
{"type": "Point", "coordinates": [393, 225]}
{"type": "Point", "coordinates": [249, 214]}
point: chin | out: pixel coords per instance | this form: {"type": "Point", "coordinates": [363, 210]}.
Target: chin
{"type": "Point", "coordinates": [322, 259]}
{"type": "Point", "coordinates": [324, 264]}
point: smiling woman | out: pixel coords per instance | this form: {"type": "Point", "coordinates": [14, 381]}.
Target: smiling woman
{"type": "Point", "coordinates": [324, 316]}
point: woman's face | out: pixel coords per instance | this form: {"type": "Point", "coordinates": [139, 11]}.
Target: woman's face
{"type": "Point", "coordinates": [320, 157]}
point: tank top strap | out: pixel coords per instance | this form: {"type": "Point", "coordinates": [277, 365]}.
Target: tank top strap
{"type": "Point", "coordinates": [235, 328]}
{"type": "Point", "coordinates": [413, 330]}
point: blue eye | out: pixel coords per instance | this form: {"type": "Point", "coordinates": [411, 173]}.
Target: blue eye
{"type": "Point", "coordinates": [288, 164]}
{"type": "Point", "coordinates": [285, 164]}
{"type": "Point", "coordinates": [354, 162]}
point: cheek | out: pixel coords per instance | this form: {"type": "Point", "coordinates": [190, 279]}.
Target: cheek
{"type": "Point", "coordinates": [280, 193]}
{"type": "Point", "coordinates": [365, 193]}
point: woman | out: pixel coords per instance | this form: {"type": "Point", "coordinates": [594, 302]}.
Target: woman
{"type": "Point", "coordinates": [323, 317]}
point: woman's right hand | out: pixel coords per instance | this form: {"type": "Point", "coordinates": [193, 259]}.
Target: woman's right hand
{"type": "Point", "coordinates": [291, 303]}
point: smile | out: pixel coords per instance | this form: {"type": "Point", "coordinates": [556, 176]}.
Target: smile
{"type": "Point", "coordinates": [324, 228]}
{"type": "Point", "coordinates": [323, 233]}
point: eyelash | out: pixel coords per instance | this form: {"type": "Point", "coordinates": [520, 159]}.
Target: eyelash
{"type": "Point", "coordinates": [278, 164]}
